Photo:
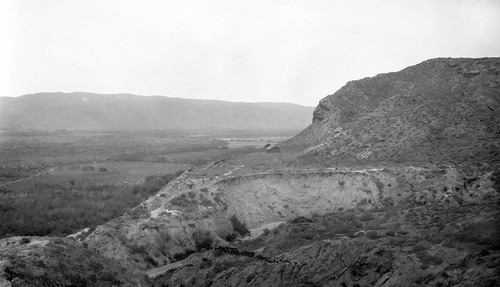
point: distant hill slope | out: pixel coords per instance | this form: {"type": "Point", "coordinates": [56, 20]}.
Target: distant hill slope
{"type": "Point", "coordinates": [442, 109]}
{"type": "Point", "coordinates": [85, 111]}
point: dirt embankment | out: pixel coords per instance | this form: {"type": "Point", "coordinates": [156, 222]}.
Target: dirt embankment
{"type": "Point", "coordinates": [263, 198]}
{"type": "Point", "coordinates": [179, 219]}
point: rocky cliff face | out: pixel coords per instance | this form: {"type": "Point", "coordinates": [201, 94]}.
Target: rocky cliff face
{"type": "Point", "coordinates": [419, 113]}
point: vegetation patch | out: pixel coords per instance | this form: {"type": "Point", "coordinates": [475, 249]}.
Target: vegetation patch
{"type": "Point", "coordinates": [203, 240]}
{"type": "Point", "coordinates": [367, 216]}
{"type": "Point", "coordinates": [184, 200]}
{"type": "Point", "coordinates": [60, 209]}
{"type": "Point", "coordinates": [238, 226]}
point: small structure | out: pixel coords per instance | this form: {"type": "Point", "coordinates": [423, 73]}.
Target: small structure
{"type": "Point", "coordinates": [273, 149]}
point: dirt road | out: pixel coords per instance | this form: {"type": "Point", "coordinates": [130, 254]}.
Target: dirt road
{"type": "Point", "coordinates": [49, 171]}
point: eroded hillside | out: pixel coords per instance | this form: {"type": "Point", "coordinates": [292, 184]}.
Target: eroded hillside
{"type": "Point", "coordinates": [442, 110]}
{"type": "Point", "coordinates": [395, 183]}
{"type": "Point", "coordinates": [165, 227]}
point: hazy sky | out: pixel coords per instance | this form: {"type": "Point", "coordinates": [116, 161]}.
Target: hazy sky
{"type": "Point", "coordinates": [276, 51]}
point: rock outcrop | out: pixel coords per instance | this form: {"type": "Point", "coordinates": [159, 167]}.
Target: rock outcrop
{"type": "Point", "coordinates": [441, 110]}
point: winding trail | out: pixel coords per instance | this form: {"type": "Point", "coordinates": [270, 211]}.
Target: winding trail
{"type": "Point", "coordinates": [50, 171]}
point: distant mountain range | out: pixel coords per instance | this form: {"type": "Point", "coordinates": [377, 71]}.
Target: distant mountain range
{"type": "Point", "coordinates": [89, 111]}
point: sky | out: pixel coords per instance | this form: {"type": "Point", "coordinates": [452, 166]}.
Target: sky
{"type": "Point", "coordinates": [296, 51]}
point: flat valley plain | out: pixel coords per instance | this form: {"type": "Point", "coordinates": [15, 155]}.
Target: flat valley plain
{"type": "Point", "coordinates": [59, 182]}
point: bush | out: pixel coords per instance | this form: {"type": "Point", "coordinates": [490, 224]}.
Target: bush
{"type": "Point", "coordinates": [203, 240]}
{"type": "Point", "coordinates": [230, 237]}
{"type": "Point", "coordinates": [424, 245]}
{"type": "Point", "coordinates": [372, 234]}
{"type": "Point", "coordinates": [181, 200]}
{"type": "Point", "coordinates": [238, 226]}
{"type": "Point", "coordinates": [138, 249]}
{"type": "Point", "coordinates": [427, 259]}
{"type": "Point", "coordinates": [478, 232]}
{"type": "Point", "coordinates": [301, 219]}
{"type": "Point", "coordinates": [184, 255]}
{"type": "Point", "coordinates": [205, 201]}
{"type": "Point", "coordinates": [25, 240]}
{"type": "Point", "coordinates": [152, 184]}
{"type": "Point", "coordinates": [366, 216]}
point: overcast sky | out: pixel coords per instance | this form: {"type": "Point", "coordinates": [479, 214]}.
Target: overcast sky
{"type": "Point", "coordinates": [252, 51]}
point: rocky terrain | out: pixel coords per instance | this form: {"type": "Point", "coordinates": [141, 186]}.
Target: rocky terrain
{"type": "Point", "coordinates": [442, 110]}
{"type": "Point", "coordinates": [395, 183]}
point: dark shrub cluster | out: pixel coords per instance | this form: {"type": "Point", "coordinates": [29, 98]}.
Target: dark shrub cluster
{"type": "Point", "coordinates": [367, 216]}
{"type": "Point", "coordinates": [238, 226]}
{"type": "Point", "coordinates": [183, 200]}
{"type": "Point", "coordinates": [203, 240]}
{"type": "Point", "coordinates": [152, 184]}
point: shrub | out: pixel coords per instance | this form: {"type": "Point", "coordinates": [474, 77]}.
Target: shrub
{"type": "Point", "coordinates": [423, 245]}
{"type": "Point", "coordinates": [230, 237]}
{"type": "Point", "coordinates": [427, 259]}
{"type": "Point", "coordinates": [205, 201]}
{"type": "Point", "coordinates": [366, 216]}
{"type": "Point", "coordinates": [434, 260]}
{"type": "Point", "coordinates": [203, 240]}
{"type": "Point", "coordinates": [479, 232]}
{"type": "Point", "coordinates": [25, 240]}
{"type": "Point", "coordinates": [138, 211]}
{"type": "Point", "coordinates": [238, 226]}
{"type": "Point", "coordinates": [372, 234]}
{"type": "Point", "coordinates": [183, 255]}
{"type": "Point", "coordinates": [138, 249]}
{"type": "Point", "coordinates": [379, 185]}
{"type": "Point", "coordinates": [181, 200]}
{"type": "Point", "coordinates": [206, 263]}
{"type": "Point", "coordinates": [301, 219]}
